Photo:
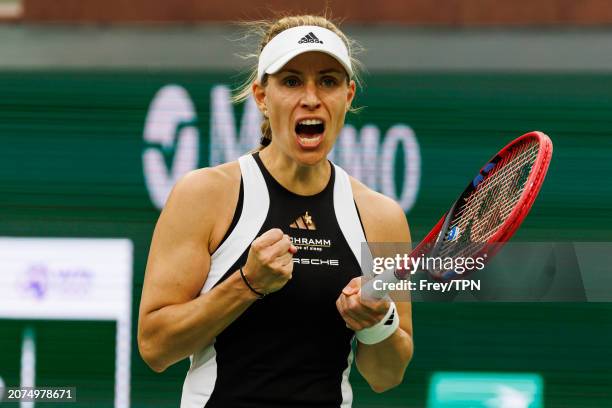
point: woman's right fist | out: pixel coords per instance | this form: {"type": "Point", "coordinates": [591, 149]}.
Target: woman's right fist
{"type": "Point", "coordinates": [270, 262]}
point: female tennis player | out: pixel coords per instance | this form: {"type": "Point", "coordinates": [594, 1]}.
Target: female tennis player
{"type": "Point", "coordinates": [254, 268]}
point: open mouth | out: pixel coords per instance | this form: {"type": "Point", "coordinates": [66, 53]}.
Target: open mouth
{"type": "Point", "coordinates": [310, 132]}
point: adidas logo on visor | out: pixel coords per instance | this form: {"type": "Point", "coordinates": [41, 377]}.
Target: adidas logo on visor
{"type": "Point", "coordinates": [310, 38]}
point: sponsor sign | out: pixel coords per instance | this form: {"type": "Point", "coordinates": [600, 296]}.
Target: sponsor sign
{"type": "Point", "coordinates": [69, 279]}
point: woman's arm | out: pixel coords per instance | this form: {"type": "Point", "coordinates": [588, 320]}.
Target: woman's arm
{"type": "Point", "coordinates": [382, 364]}
{"type": "Point", "coordinates": [175, 321]}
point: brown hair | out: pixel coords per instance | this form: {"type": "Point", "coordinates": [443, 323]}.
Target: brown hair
{"type": "Point", "coordinates": [265, 30]}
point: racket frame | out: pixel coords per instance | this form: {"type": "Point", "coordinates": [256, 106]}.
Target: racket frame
{"type": "Point", "coordinates": [432, 241]}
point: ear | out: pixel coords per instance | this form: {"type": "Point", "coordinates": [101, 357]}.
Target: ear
{"type": "Point", "coordinates": [259, 93]}
{"type": "Point", "coordinates": [350, 94]}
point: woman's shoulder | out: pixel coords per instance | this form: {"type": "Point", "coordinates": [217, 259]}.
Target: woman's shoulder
{"type": "Point", "coordinates": [209, 187]}
{"type": "Point", "coordinates": [202, 202]}
{"type": "Point", "coordinates": [382, 217]}
{"type": "Point", "coordinates": [371, 199]}
{"type": "Point", "coordinates": [210, 180]}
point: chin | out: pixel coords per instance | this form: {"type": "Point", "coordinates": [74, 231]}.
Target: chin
{"type": "Point", "coordinates": [311, 157]}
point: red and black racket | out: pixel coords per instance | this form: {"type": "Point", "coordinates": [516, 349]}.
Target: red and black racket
{"type": "Point", "coordinates": [490, 209]}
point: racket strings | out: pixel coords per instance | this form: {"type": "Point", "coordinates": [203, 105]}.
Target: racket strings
{"type": "Point", "coordinates": [508, 185]}
{"type": "Point", "coordinates": [492, 202]}
{"type": "Point", "coordinates": [500, 187]}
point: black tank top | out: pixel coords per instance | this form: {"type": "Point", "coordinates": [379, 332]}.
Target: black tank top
{"type": "Point", "coordinates": [291, 348]}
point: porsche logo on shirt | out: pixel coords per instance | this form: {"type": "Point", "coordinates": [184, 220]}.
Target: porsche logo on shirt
{"type": "Point", "coordinates": [316, 262]}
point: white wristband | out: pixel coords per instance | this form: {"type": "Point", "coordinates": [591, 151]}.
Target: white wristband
{"type": "Point", "coordinates": [381, 330]}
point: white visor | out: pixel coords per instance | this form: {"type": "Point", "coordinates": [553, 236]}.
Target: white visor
{"type": "Point", "coordinates": [298, 40]}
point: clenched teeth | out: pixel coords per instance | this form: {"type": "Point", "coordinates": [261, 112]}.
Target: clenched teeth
{"type": "Point", "coordinates": [310, 141]}
{"type": "Point", "coordinates": [310, 122]}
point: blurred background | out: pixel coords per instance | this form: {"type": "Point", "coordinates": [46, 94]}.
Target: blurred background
{"type": "Point", "coordinates": [105, 104]}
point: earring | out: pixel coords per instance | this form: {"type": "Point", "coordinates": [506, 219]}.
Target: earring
{"type": "Point", "coordinates": [265, 113]}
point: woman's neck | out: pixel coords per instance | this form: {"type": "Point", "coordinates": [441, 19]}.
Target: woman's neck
{"type": "Point", "coordinates": [297, 178]}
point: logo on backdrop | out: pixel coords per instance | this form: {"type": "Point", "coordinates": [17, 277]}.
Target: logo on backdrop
{"type": "Point", "coordinates": [40, 281]}
{"type": "Point", "coordinates": [172, 145]}
{"type": "Point", "coordinates": [172, 141]}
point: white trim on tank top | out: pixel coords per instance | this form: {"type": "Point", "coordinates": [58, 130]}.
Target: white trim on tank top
{"type": "Point", "coordinates": [255, 207]}
{"type": "Point", "coordinates": [346, 213]}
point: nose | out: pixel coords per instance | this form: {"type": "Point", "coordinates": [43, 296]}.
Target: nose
{"type": "Point", "coordinates": [310, 99]}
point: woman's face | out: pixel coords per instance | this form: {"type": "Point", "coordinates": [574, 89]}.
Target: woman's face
{"type": "Point", "coordinates": [306, 102]}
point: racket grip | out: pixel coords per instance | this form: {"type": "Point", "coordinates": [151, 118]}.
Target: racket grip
{"type": "Point", "coordinates": [378, 281]}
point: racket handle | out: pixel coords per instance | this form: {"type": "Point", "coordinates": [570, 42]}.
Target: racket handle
{"type": "Point", "coordinates": [368, 289]}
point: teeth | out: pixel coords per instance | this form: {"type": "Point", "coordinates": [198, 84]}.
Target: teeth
{"type": "Point", "coordinates": [310, 122]}
{"type": "Point", "coordinates": [310, 141]}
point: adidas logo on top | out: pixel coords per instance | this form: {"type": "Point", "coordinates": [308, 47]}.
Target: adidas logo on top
{"type": "Point", "coordinates": [310, 38]}
{"type": "Point", "coordinates": [304, 222]}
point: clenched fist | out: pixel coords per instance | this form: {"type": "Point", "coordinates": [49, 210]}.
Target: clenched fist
{"type": "Point", "coordinates": [359, 313]}
{"type": "Point", "coordinates": [270, 262]}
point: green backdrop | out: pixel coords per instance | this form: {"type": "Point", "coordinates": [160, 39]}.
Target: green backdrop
{"type": "Point", "coordinates": [71, 146]}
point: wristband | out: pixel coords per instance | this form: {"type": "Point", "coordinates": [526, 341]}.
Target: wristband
{"type": "Point", "coordinates": [381, 330]}
{"type": "Point", "coordinates": [246, 281]}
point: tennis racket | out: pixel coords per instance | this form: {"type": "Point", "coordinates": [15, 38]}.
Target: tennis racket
{"type": "Point", "coordinates": [487, 213]}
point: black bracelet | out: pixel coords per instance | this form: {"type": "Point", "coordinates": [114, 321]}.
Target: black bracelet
{"type": "Point", "coordinates": [246, 281]}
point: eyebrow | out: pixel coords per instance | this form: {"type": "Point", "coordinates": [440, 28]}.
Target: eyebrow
{"type": "Point", "coordinates": [323, 72]}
